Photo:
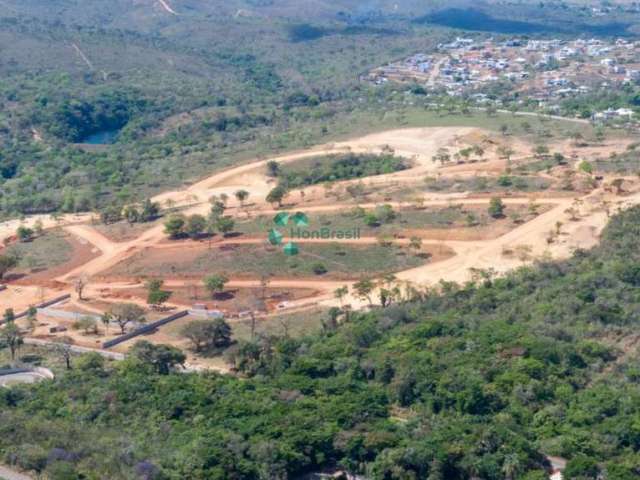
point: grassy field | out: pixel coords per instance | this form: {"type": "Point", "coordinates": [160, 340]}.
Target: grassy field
{"type": "Point", "coordinates": [406, 218]}
{"type": "Point", "coordinates": [506, 183]}
{"type": "Point", "coordinates": [124, 231]}
{"type": "Point", "coordinates": [252, 261]}
{"type": "Point", "coordinates": [625, 164]}
{"type": "Point", "coordinates": [35, 356]}
{"type": "Point", "coordinates": [296, 324]}
{"type": "Point", "coordinates": [46, 251]}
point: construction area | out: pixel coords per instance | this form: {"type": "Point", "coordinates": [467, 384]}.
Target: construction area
{"type": "Point", "coordinates": [470, 202]}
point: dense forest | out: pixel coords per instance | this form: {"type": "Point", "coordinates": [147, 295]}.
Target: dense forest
{"type": "Point", "coordinates": [339, 167]}
{"type": "Point", "coordinates": [180, 109]}
{"type": "Point", "coordinates": [481, 380]}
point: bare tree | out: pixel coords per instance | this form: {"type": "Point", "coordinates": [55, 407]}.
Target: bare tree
{"type": "Point", "coordinates": [79, 284]}
{"type": "Point", "coordinates": [12, 337]}
{"type": "Point", "coordinates": [63, 348]}
{"type": "Point", "coordinates": [253, 325]}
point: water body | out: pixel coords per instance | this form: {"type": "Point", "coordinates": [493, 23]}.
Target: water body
{"type": "Point", "coordinates": [104, 137]}
{"type": "Point", "coordinates": [18, 378]}
{"type": "Point", "coordinates": [469, 19]}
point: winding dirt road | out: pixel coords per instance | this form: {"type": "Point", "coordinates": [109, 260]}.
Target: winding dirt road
{"type": "Point", "coordinates": [418, 144]}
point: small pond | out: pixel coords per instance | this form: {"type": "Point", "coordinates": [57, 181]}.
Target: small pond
{"type": "Point", "coordinates": [104, 137]}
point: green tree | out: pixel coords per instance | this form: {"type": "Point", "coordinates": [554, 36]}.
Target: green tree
{"type": "Point", "coordinates": [241, 196]}
{"type": "Point", "coordinates": [364, 288]}
{"type": "Point", "coordinates": [215, 284]}
{"type": "Point", "coordinates": [225, 225]}
{"type": "Point", "coordinates": [385, 213]}
{"type": "Point", "coordinates": [131, 214]}
{"type": "Point", "coordinates": [125, 313]}
{"type": "Point", "coordinates": [87, 324]}
{"type": "Point", "coordinates": [174, 226]}
{"type": "Point", "coordinates": [7, 263]}
{"type": "Point", "coordinates": [206, 335]}
{"type": "Point", "coordinates": [8, 316]}
{"type": "Point", "coordinates": [581, 467]}
{"type": "Point", "coordinates": [277, 195]}
{"type": "Point", "coordinates": [32, 316]}
{"type": "Point", "coordinates": [155, 294]}
{"type": "Point", "coordinates": [24, 234]}
{"type": "Point", "coordinates": [63, 347]}
{"type": "Point", "coordinates": [340, 293]}
{"type": "Point", "coordinates": [496, 207]}
{"type": "Point", "coordinates": [319, 268]}
{"type": "Point", "coordinates": [150, 211]}
{"type": "Point", "coordinates": [195, 226]}
{"type": "Point", "coordinates": [162, 358]}
{"type": "Point", "coordinates": [371, 219]}
{"type": "Point", "coordinates": [12, 337]}
{"type": "Point", "coordinates": [415, 243]}
{"type": "Point", "coordinates": [111, 214]}
{"type": "Point", "coordinates": [273, 168]}
{"type": "Point", "coordinates": [217, 209]}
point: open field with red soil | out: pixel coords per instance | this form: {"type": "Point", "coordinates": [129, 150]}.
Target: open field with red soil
{"type": "Point", "coordinates": [44, 259]}
{"type": "Point", "coordinates": [551, 204]}
{"type": "Point", "coordinates": [231, 302]}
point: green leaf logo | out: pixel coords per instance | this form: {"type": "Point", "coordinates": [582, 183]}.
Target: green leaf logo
{"type": "Point", "coordinates": [300, 219]}
{"type": "Point", "coordinates": [291, 249]}
{"type": "Point", "coordinates": [281, 219]}
{"type": "Point", "coordinates": [275, 237]}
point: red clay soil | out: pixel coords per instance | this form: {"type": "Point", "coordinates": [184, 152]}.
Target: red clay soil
{"type": "Point", "coordinates": [81, 254]}
{"type": "Point", "coordinates": [233, 300]}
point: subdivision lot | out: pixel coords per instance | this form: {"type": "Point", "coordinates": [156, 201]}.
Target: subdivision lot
{"type": "Point", "coordinates": [438, 228]}
{"type": "Point", "coordinates": [456, 221]}
{"type": "Point", "coordinates": [251, 261]}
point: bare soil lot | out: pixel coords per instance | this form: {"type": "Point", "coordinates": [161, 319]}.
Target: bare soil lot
{"type": "Point", "coordinates": [448, 213]}
{"type": "Point", "coordinates": [49, 256]}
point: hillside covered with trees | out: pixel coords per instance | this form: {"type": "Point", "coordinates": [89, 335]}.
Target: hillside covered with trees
{"type": "Point", "coordinates": [179, 109]}
{"type": "Point", "coordinates": [480, 380]}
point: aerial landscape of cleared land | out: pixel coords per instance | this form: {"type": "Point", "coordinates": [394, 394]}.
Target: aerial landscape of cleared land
{"type": "Point", "coordinates": [377, 241]}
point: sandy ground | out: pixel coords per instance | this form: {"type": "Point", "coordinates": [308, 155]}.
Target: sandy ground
{"type": "Point", "coordinates": [20, 297]}
{"type": "Point", "coordinates": [8, 229]}
{"type": "Point", "coordinates": [8, 474]}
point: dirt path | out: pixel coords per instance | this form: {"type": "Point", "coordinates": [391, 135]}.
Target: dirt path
{"type": "Point", "coordinates": [469, 255]}
{"type": "Point", "coordinates": [551, 117]}
{"type": "Point", "coordinates": [433, 75]}
{"type": "Point", "coordinates": [81, 54]}
{"type": "Point", "coordinates": [418, 144]}
{"type": "Point", "coordinates": [8, 228]}
{"type": "Point", "coordinates": [114, 253]}
{"type": "Point", "coordinates": [164, 4]}
{"type": "Point", "coordinates": [8, 474]}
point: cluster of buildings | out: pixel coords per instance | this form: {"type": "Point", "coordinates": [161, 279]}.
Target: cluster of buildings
{"type": "Point", "coordinates": [543, 70]}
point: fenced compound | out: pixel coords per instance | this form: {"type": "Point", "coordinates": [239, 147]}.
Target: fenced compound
{"type": "Point", "coordinates": [42, 305]}
{"type": "Point", "coordinates": [65, 315]}
{"type": "Point", "coordinates": [144, 329]}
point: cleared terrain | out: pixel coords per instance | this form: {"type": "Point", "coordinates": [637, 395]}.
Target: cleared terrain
{"type": "Point", "coordinates": [537, 224]}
